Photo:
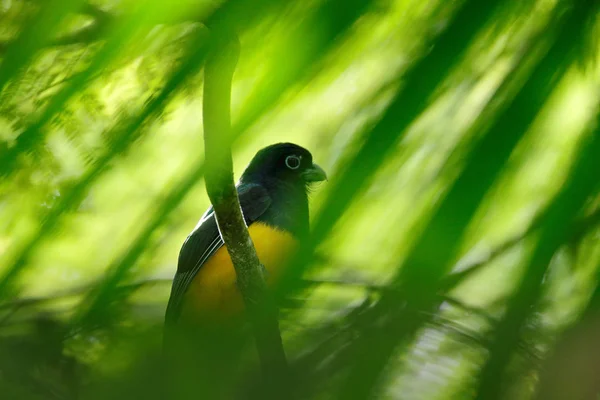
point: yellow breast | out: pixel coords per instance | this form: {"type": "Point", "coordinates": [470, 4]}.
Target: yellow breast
{"type": "Point", "coordinates": [213, 293]}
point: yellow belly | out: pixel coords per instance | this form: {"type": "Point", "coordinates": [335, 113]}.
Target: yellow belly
{"type": "Point", "coordinates": [213, 293]}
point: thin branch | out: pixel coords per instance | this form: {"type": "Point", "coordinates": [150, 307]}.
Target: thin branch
{"type": "Point", "coordinates": [103, 18]}
{"type": "Point", "coordinates": [221, 190]}
{"type": "Point", "coordinates": [579, 229]}
{"type": "Point", "coordinates": [88, 34]}
{"type": "Point", "coordinates": [96, 12]}
{"type": "Point", "coordinates": [78, 291]}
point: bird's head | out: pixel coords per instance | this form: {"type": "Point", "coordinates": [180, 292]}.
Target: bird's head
{"type": "Point", "coordinates": [284, 162]}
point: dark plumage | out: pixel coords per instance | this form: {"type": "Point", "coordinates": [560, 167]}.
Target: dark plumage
{"type": "Point", "coordinates": [286, 187]}
{"type": "Point", "coordinates": [272, 191]}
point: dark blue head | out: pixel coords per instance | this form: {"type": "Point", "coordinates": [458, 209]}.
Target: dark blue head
{"type": "Point", "coordinates": [286, 170]}
{"type": "Point", "coordinates": [283, 163]}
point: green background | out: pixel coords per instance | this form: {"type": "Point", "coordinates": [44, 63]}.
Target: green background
{"type": "Point", "coordinates": [455, 245]}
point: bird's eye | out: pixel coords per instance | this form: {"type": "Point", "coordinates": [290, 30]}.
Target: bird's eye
{"type": "Point", "coordinates": [292, 162]}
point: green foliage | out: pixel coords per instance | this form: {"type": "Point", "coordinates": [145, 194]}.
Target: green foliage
{"type": "Point", "coordinates": [454, 251]}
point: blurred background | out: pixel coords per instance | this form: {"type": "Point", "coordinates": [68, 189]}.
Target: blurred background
{"type": "Point", "coordinates": [455, 248]}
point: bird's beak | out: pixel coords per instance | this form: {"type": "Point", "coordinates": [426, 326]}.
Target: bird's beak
{"type": "Point", "coordinates": [314, 174]}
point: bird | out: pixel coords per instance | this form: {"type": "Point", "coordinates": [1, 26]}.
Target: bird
{"type": "Point", "coordinates": [273, 192]}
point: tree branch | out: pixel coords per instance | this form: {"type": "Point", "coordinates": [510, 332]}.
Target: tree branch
{"type": "Point", "coordinates": [579, 229]}
{"type": "Point", "coordinates": [88, 34]}
{"type": "Point", "coordinates": [221, 190]}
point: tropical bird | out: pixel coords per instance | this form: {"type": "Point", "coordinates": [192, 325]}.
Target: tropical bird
{"type": "Point", "coordinates": [273, 192]}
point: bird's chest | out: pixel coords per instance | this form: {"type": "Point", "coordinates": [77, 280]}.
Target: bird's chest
{"type": "Point", "coordinates": [213, 292]}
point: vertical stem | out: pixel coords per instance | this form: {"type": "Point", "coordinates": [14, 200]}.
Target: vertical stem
{"type": "Point", "coordinates": [262, 312]}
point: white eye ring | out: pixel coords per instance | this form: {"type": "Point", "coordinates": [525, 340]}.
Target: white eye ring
{"type": "Point", "coordinates": [292, 162]}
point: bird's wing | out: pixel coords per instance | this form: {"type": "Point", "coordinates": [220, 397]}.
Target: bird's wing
{"type": "Point", "coordinates": [205, 240]}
